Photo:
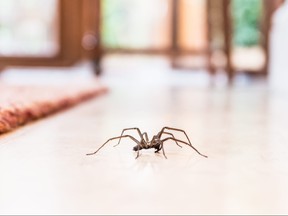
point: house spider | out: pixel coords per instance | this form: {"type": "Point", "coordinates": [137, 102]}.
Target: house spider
{"type": "Point", "coordinates": [156, 142]}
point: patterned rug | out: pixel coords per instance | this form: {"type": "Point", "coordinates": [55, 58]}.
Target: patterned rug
{"type": "Point", "coordinates": [20, 105]}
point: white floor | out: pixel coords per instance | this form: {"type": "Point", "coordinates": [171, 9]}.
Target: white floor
{"type": "Point", "coordinates": [242, 129]}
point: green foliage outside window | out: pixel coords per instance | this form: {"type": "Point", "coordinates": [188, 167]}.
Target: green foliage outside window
{"type": "Point", "coordinates": [246, 15]}
{"type": "Point", "coordinates": [116, 16]}
{"type": "Point", "coordinates": [113, 16]}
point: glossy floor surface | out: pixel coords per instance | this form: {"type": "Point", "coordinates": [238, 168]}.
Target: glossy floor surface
{"type": "Point", "coordinates": [243, 130]}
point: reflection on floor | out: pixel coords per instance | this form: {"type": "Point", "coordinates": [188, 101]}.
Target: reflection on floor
{"type": "Point", "coordinates": [242, 129]}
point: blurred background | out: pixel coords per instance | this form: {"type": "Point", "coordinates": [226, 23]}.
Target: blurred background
{"type": "Point", "coordinates": [219, 36]}
{"type": "Point", "coordinates": [210, 67]}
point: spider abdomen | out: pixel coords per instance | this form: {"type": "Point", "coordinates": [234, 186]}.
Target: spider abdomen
{"type": "Point", "coordinates": [140, 147]}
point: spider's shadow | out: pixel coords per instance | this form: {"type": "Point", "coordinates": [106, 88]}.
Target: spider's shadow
{"type": "Point", "coordinates": [148, 160]}
{"type": "Point", "coordinates": [175, 159]}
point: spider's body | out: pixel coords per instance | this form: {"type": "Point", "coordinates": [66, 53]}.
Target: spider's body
{"type": "Point", "coordinates": [156, 142]}
{"type": "Point", "coordinates": [146, 144]}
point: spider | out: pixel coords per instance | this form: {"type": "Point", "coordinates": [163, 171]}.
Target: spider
{"type": "Point", "coordinates": [156, 142]}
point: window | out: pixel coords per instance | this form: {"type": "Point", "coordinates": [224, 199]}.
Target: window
{"type": "Point", "coordinates": [136, 24]}
{"type": "Point", "coordinates": [47, 33]}
{"type": "Point", "coordinates": [29, 28]}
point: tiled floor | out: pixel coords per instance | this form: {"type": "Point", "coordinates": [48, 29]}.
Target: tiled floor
{"type": "Point", "coordinates": [242, 129]}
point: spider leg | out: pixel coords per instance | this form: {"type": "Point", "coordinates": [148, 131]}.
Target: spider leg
{"type": "Point", "coordinates": [185, 144]}
{"type": "Point", "coordinates": [146, 136]}
{"type": "Point", "coordinates": [119, 137]}
{"type": "Point", "coordinates": [162, 147]}
{"type": "Point", "coordinates": [138, 130]}
{"type": "Point", "coordinates": [175, 129]}
{"type": "Point", "coordinates": [172, 136]}
{"type": "Point", "coordinates": [138, 150]}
